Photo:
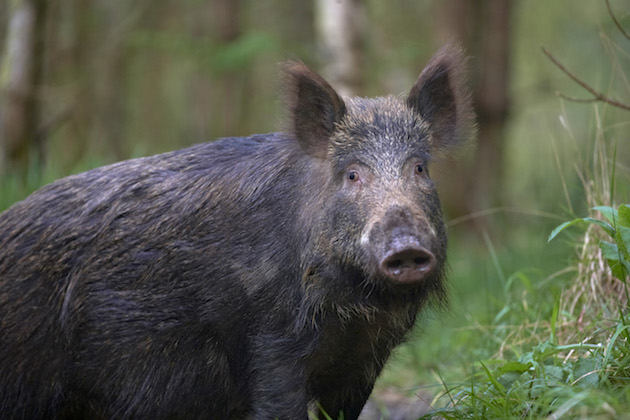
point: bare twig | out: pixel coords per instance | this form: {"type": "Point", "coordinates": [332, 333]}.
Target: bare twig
{"type": "Point", "coordinates": [597, 95]}
{"type": "Point", "coordinates": [578, 100]}
{"type": "Point", "coordinates": [614, 18]}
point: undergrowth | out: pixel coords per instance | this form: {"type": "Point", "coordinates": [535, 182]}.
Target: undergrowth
{"type": "Point", "coordinates": [561, 344]}
{"type": "Point", "coordinates": [538, 372]}
{"type": "Point", "coordinates": [573, 363]}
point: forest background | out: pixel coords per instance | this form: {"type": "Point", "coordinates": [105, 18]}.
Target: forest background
{"type": "Point", "coordinates": [88, 82]}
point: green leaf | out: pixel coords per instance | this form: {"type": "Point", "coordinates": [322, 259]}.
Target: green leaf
{"type": "Point", "coordinates": [610, 250]}
{"type": "Point", "coordinates": [554, 373]}
{"type": "Point", "coordinates": [512, 380]}
{"type": "Point", "coordinates": [606, 226]}
{"type": "Point", "coordinates": [622, 236]}
{"type": "Point", "coordinates": [610, 213]}
{"type": "Point", "coordinates": [616, 261]}
{"type": "Point", "coordinates": [562, 227]}
{"type": "Point", "coordinates": [496, 383]}
{"type": "Point", "coordinates": [513, 367]}
{"type": "Point", "coordinates": [624, 216]}
{"type": "Point", "coordinates": [617, 268]}
{"type": "Point", "coordinates": [585, 372]}
{"type": "Point", "coordinates": [528, 358]}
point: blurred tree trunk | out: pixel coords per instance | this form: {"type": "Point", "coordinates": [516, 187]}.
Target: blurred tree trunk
{"type": "Point", "coordinates": [82, 36]}
{"type": "Point", "coordinates": [97, 33]}
{"type": "Point", "coordinates": [109, 131]}
{"type": "Point", "coordinates": [227, 24]}
{"type": "Point", "coordinates": [340, 27]}
{"type": "Point", "coordinates": [4, 20]}
{"type": "Point", "coordinates": [301, 27]}
{"type": "Point", "coordinates": [22, 73]}
{"type": "Point", "coordinates": [483, 28]}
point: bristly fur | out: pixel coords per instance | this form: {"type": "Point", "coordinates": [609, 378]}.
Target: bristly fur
{"type": "Point", "coordinates": [251, 277]}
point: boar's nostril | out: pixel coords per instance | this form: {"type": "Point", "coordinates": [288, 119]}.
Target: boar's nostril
{"type": "Point", "coordinates": [410, 265]}
{"type": "Point", "coordinates": [422, 260]}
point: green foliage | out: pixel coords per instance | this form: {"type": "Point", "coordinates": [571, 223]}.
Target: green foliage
{"type": "Point", "coordinates": [536, 372]}
{"type": "Point", "coordinates": [617, 227]}
{"type": "Point", "coordinates": [547, 380]}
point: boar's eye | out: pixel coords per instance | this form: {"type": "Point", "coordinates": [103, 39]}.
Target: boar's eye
{"type": "Point", "coordinates": [355, 175]}
{"type": "Point", "coordinates": [419, 169]}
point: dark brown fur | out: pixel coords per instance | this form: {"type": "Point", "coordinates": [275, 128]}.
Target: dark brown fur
{"type": "Point", "coordinates": [244, 278]}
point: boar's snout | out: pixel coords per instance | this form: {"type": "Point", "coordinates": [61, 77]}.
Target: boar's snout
{"type": "Point", "coordinates": [404, 246]}
{"type": "Point", "coordinates": [407, 262]}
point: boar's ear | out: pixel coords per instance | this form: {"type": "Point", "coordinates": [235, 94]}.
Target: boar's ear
{"type": "Point", "coordinates": [442, 99]}
{"type": "Point", "coordinates": [314, 107]}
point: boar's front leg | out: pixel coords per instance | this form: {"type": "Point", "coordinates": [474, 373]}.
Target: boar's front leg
{"type": "Point", "coordinates": [348, 398]}
{"type": "Point", "coordinates": [278, 383]}
{"type": "Point", "coordinates": [279, 394]}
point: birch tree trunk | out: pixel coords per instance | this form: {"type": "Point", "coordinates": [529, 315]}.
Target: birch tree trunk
{"type": "Point", "coordinates": [20, 77]}
{"type": "Point", "coordinates": [340, 27]}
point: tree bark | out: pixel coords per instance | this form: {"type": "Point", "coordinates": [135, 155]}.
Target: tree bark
{"type": "Point", "coordinates": [493, 102]}
{"type": "Point", "coordinates": [22, 72]}
{"type": "Point", "coordinates": [109, 130]}
{"type": "Point", "coordinates": [227, 22]}
{"type": "Point", "coordinates": [483, 28]}
{"type": "Point", "coordinates": [340, 27]}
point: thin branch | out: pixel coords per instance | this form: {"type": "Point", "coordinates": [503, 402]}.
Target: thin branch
{"type": "Point", "coordinates": [597, 96]}
{"type": "Point", "coordinates": [614, 18]}
{"type": "Point", "coordinates": [578, 100]}
{"type": "Point", "coordinates": [506, 210]}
